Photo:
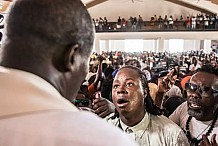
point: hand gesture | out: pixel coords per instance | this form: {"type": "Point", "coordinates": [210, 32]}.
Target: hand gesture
{"type": "Point", "coordinates": [102, 107]}
{"type": "Point", "coordinates": [166, 82]}
{"type": "Point", "coordinates": [206, 142]}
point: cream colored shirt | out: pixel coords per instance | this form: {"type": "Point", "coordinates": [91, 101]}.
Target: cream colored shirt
{"type": "Point", "coordinates": [153, 131]}
{"type": "Point", "coordinates": [33, 113]}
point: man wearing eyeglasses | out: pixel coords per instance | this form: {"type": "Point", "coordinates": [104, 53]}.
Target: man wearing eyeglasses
{"type": "Point", "coordinates": [198, 116]}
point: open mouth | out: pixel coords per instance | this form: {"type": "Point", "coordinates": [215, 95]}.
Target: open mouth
{"type": "Point", "coordinates": [194, 102]}
{"type": "Point", "coordinates": [122, 103]}
{"type": "Point", "coordinates": [194, 105]}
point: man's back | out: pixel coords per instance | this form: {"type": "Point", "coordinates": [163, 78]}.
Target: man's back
{"type": "Point", "coordinates": [33, 113]}
{"type": "Point", "coordinates": [59, 127]}
{"type": "Point", "coordinates": [47, 48]}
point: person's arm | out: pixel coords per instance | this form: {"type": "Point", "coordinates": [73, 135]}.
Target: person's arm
{"type": "Point", "coordinates": [99, 72]}
{"type": "Point", "coordinates": [164, 85]}
{"type": "Point", "coordinates": [159, 99]}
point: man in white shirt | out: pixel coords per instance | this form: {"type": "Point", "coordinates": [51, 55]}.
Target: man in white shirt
{"type": "Point", "coordinates": [137, 115]}
{"type": "Point", "coordinates": [44, 60]}
{"type": "Point", "coordinates": [198, 116]}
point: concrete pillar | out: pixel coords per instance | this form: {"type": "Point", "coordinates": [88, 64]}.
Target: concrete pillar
{"type": "Point", "coordinates": [159, 45]}
{"type": "Point", "coordinates": [207, 46]}
{"type": "Point", "coordinates": [107, 45]}
{"type": "Point", "coordinates": [97, 45]}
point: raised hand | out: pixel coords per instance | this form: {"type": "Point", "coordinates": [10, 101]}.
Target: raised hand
{"type": "Point", "coordinates": [166, 82]}
{"type": "Point", "coordinates": [102, 107]}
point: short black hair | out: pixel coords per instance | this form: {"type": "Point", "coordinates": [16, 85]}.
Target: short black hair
{"type": "Point", "coordinates": [37, 28]}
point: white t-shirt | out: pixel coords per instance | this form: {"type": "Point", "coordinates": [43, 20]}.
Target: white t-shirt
{"type": "Point", "coordinates": [197, 128]}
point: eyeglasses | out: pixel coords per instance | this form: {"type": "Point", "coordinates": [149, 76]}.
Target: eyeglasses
{"type": "Point", "coordinates": [81, 102]}
{"type": "Point", "coordinates": [190, 87]}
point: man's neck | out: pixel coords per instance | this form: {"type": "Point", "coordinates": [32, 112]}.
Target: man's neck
{"type": "Point", "coordinates": [132, 120]}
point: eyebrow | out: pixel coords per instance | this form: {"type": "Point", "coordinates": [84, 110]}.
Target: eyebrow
{"type": "Point", "coordinates": [129, 79]}
{"type": "Point", "coordinates": [125, 79]}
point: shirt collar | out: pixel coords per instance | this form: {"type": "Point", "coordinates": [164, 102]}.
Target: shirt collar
{"type": "Point", "coordinates": [22, 92]}
{"type": "Point", "coordinates": [140, 127]}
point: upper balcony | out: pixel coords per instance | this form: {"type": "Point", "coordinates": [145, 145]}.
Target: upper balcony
{"type": "Point", "coordinates": [155, 26]}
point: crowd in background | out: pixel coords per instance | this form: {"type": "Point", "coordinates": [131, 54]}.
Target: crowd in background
{"type": "Point", "coordinates": [190, 22]}
{"type": "Point", "coordinates": [153, 64]}
{"type": "Point", "coordinates": [97, 93]}
{"type": "Point", "coordinates": [44, 61]}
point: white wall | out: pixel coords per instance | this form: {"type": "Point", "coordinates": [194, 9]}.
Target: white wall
{"type": "Point", "coordinates": [125, 8]}
{"type": "Point", "coordinates": [149, 45]}
{"type": "Point", "coordinates": [117, 45]}
{"type": "Point", "coordinates": [166, 45]}
{"type": "Point", "coordinates": [155, 41]}
{"type": "Point", "coordinates": [207, 46]}
{"type": "Point", "coordinates": [122, 45]}
{"type": "Point", "coordinates": [103, 45]}
{"type": "Point", "coordinates": [191, 45]}
{"type": "Point", "coordinates": [205, 4]}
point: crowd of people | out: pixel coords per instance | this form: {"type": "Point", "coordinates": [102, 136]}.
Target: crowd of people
{"type": "Point", "coordinates": [49, 98]}
{"type": "Point", "coordinates": [190, 22]}
{"type": "Point", "coordinates": [134, 88]}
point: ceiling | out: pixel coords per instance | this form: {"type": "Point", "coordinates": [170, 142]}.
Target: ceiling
{"type": "Point", "coordinates": [205, 6]}
{"type": "Point", "coordinates": [86, 1]}
{"type": "Point", "coordinates": [214, 1]}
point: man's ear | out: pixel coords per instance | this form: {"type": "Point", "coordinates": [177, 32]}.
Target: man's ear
{"type": "Point", "coordinates": [69, 57]}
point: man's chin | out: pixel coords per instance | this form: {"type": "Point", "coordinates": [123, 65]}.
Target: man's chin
{"type": "Point", "coordinates": [197, 113]}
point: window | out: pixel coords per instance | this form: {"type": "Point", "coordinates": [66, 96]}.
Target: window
{"type": "Point", "coordinates": [176, 45]}
{"type": "Point", "coordinates": [134, 45]}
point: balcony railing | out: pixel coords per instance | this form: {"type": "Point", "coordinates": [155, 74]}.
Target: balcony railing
{"type": "Point", "coordinates": [155, 26]}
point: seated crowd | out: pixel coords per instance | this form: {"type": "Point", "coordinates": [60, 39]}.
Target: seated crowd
{"type": "Point", "coordinates": [132, 90]}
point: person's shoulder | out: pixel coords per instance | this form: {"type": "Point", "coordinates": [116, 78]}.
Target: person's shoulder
{"type": "Point", "coordinates": [165, 123]}
{"type": "Point", "coordinates": [180, 111]}
{"type": "Point", "coordinates": [182, 107]}
{"type": "Point", "coordinates": [170, 129]}
{"type": "Point", "coordinates": [111, 119]}
{"type": "Point", "coordinates": [68, 128]}
{"type": "Point", "coordinates": [92, 129]}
